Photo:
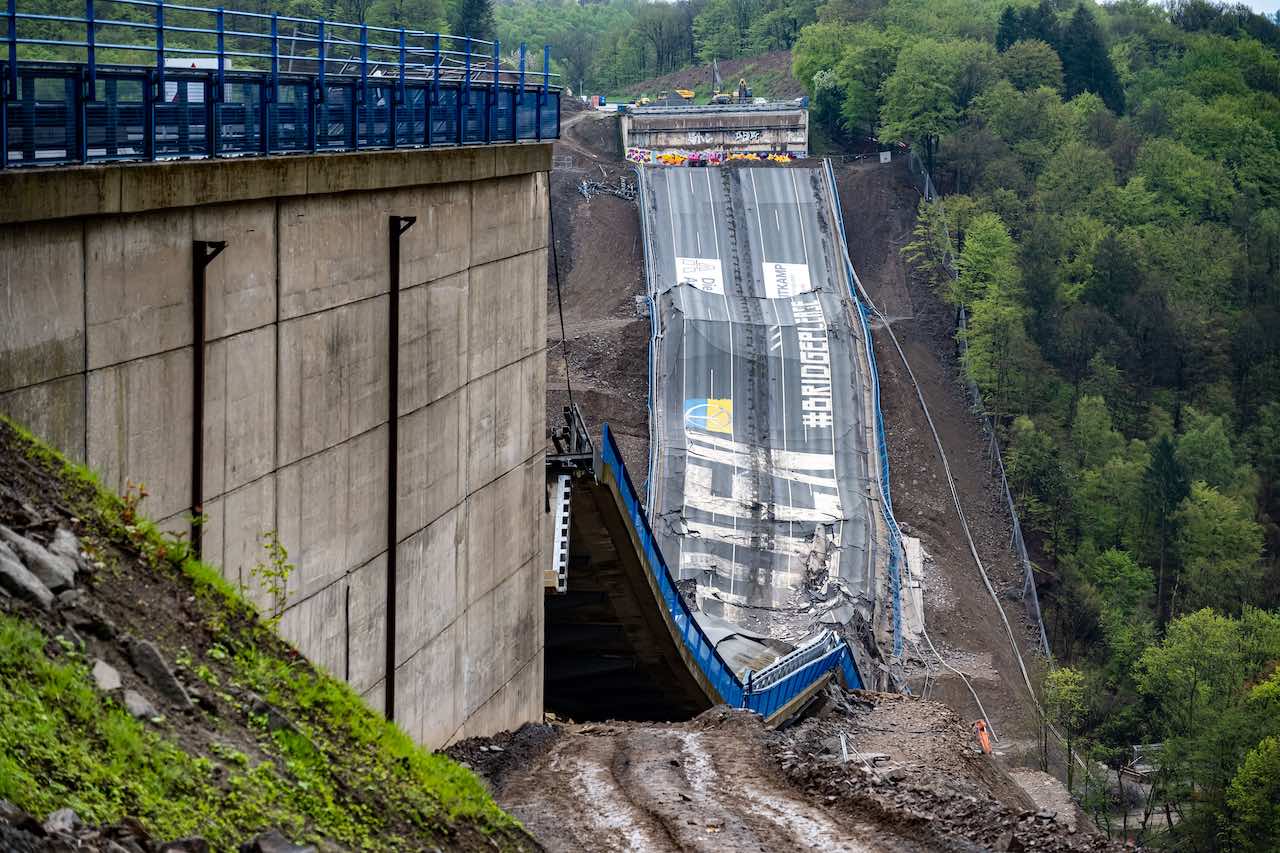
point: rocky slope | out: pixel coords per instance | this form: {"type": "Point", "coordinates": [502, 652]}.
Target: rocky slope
{"type": "Point", "coordinates": [147, 707]}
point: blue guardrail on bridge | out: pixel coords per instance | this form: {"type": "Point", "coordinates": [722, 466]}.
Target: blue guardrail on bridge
{"type": "Point", "coordinates": [766, 692]}
{"type": "Point", "coordinates": [149, 80]}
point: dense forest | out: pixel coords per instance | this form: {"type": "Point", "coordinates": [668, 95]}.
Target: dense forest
{"type": "Point", "coordinates": [1110, 226]}
{"type": "Point", "coordinates": [606, 46]}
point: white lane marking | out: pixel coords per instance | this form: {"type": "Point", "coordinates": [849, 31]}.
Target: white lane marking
{"type": "Point", "coordinates": [805, 242]}
{"type": "Point", "coordinates": [755, 193]}
{"type": "Point", "coordinates": [777, 220]}
{"type": "Point", "coordinates": [728, 316]}
{"type": "Point", "coordinates": [671, 208]}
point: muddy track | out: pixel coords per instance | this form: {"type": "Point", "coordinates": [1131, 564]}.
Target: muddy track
{"type": "Point", "coordinates": [672, 788]}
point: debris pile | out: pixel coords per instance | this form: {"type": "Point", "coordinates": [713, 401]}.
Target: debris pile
{"type": "Point", "coordinates": [624, 189]}
{"type": "Point", "coordinates": [911, 766]}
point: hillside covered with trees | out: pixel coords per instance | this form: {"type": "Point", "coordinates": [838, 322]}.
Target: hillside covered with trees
{"type": "Point", "coordinates": [1110, 225]}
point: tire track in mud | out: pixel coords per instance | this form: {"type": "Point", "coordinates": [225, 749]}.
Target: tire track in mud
{"type": "Point", "coordinates": [672, 788]}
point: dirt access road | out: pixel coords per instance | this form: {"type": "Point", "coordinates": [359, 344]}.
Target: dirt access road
{"type": "Point", "coordinates": [879, 773]}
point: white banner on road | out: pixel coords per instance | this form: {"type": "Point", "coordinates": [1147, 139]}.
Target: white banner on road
{"type": "Point", "coordinates": [702, 273]}
{"type": "Point", "coordinates": [784, 280]}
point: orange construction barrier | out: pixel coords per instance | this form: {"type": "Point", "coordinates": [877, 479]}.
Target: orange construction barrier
{"type": "Point", "coordinates": [984, 737]}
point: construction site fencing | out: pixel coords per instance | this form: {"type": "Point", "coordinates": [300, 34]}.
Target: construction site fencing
{"type": "Point", "coordinates": [770, 689]}
{"type": "Point", "coordinates": [1030, 596]}
{"type": "Point", "coordinates": [896, 556]}
{"type": "Point", "coordinates": [146, 80]}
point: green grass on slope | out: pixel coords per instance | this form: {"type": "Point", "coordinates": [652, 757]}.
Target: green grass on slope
{"type": "Point", "coordinates": [339, 772]}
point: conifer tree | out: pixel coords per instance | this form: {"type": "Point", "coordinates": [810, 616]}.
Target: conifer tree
{"type": "Point", "coordinates": [1086, 67]}
{"type": "Point", "coordinates": [1009, 29]}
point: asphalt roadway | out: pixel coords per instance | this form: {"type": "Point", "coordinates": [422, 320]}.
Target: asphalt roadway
{"type": "Point", "coordinates": [759, 472]}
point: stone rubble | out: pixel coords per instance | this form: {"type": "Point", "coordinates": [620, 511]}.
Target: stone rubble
{"type": "Point", "coordinates": [135, 703]}
{"type": "Point", "coordinates": [63, 831]}
{"type": "Point", "coordinates": [150, 665]}
{"type": "Point", "coordinates": [55, 572]}
{"type": "Point", "coordinates": [106, 676]}
{"type": "Point", "coordinates": [19, 582]}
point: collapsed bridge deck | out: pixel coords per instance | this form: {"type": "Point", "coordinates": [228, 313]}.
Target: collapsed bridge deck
{"type": "Point", "coordinates": [763, 542]}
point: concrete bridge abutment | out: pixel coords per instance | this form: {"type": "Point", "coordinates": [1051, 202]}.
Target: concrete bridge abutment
{"type": "Point", "coordinates": [99, 354]}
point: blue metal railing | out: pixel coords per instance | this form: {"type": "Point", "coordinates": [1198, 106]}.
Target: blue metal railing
{"type": "Point", "coordinates": [146, 80]}
{"type": "Point", "coordinates": [896, 556]}
{"type": "Point", "coordinates": [765, 692]}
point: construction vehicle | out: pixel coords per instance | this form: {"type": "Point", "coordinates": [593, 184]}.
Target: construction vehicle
{"type": "Point", "coordinates": [741, 96]}
{"type": "Point", "coordinates": [687, 94]}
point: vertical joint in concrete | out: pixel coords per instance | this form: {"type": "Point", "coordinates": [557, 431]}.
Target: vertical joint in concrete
{"type": "Point", "coordinates": [203, 253]}
{"type": "Point", "coordinates": [398, 225]}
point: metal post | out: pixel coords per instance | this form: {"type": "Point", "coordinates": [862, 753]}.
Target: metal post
{"type": "Point", "coordinates": [272, 93]}
{"type": "Point", "coordinates": [111, 90]}
{"type": "Point", "coordinates": [361, 93]}
{"type": "Point", "coordinates": [397, 226]}
{"type": "Point", "coordinates": [9, 85]}
{"type": "Point", "coordinates": [202, 254]}
{"type": "Point", "coordinates": [432, 95]}
{"type": "Point", "coordinates": [160, 48]}
{"type": "Point", "coordinates": [542, 93]}
{"type": "Point", "coordinates": [88, 89]}
{"type": "Point", "coordinates": [491, 113]}
{"type": "Point", "coordinates": [220, 94]}
{"type": "Point", "coordinates": [464, 94]}
{"type": "Point", "coordinates": [398, 99]}
{"type": "Point", "coordinates": [519, 100]}
{"type": "Point", "coordinates": [321, 93]}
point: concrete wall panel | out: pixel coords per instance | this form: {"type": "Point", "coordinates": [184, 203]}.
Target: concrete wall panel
{"type": "Point", "coordinates": [240, 284]}
{"type": "Point", "coordinates": [53, 410]}
{"type": "Point", "coordinates": [249, 515]}
{"type": "Point", "coordinates": [481, 460]}
{"type": "Point", "coordinates": [41, 303]}
{"type": "Point", "coordinates": [505, 296]}
{"type": "Point", "coordinates": [139, 426]}
{"type": "Point", "coordinates": [313, 518]}
{"type": "Point", "coordinates": [508, 217]}
{"type": "Point", "coordinates": [430, 480]}
{"type": "Point", "coordinates": [366, 487]}
{"type": "Point", "coordinates": [317, 626]}
{"type": "Point", "coordinates": [483, 551]}
{"type": "Point", "coordinates": [333, 250]}
{"type": "Point", "coordinates": [240, 410]}
{"type": "Point", "coordinates": [367, 624]}
{"type": "Point", "coordinates": [428, 689]}
{"type": "Point", "coordinates": [431, 576]}
{"type": "Point", "coordinates": [483, 658]}
{"type": "Point", "coordinates": [137, 285]}
{"type": "Point", "coordinates": [333, 377]}
{"type": "Point", "coordinates": [439, 243]}
{"type": "Point", "coordinates": [433, 340]}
